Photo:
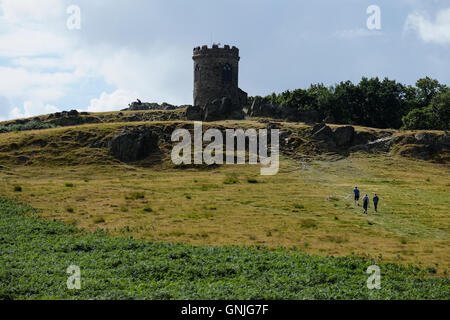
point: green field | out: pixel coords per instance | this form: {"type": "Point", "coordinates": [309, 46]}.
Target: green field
{"type": "Point", "coordinates": [36, 254]}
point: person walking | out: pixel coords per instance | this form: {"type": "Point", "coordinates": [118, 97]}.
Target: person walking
{"type": "Point", "coordinates": [376, 199]}
{"type": "Point", "coordinates": [356, 192]}
{"type": "Point", "coordinates": [365, 203]}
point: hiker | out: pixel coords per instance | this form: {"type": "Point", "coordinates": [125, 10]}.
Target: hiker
{"type": "Point", "coordinates": [365, 203]}
{"type": "Point", "coordinates": [356, 192]}
{"type": "Point", "coordinates": [139, 102]}
{"type": "Point", "coordinates": [376, 199]}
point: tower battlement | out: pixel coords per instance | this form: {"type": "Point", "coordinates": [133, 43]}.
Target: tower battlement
{"type": "Point", "coordinates": [216, 50]}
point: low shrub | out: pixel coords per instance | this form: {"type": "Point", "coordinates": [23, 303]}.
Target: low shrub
{"type": "Point", "coordinates": [135, 196]}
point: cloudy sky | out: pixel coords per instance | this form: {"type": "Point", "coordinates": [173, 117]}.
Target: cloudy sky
{"type": "Point", "coordinates": [126, 49]}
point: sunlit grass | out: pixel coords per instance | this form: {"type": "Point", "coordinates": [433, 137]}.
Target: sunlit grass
{"type": "Point", "coordinates": [305, 203]}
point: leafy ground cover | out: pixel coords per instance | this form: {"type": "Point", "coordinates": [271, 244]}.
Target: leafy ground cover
{"type": "Point", "coordinates": [36, 253]}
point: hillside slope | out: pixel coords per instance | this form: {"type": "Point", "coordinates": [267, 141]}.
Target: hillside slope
{"type": "Point", "coordinates": [83, 140]}
{"type": "Point", "coordinates": [107, 176]}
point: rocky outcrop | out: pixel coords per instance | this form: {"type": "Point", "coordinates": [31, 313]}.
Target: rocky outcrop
{"type": "Point", "coordinates": [322, 132]}
{"type": "Point", "coordinates": [344, 135]}
{"type": "Point", "coordinates": [364, 137]}
{"type": "Point", "coordinates": [142, 106]}
{"type": "Point", "coordinates": [433, 139]}
{"type": "Point", "coordinates": [152, 142]}
{"type": "Point", "coordinates": [222, 109]}
{"type": "Point", "coordinates": [423, 145]}
{"type": "Point", "coordinates": [265, 109]}
{"type": "Point", "coordinates": [133, 145]}
{"type": "Point", "coordinates": [323, 135]}
{"type": "Point", "coordinates": [346, 138]}
{"type": "Point", "coordinates": [216, 110]}
{"type": "Point", "coordinates": [262, 108]}
{"type": "Point", "coordinates": [194, 113]}
{"type": "Point", "coordinates": [70, 118]}
{"type": "Point", "coordinates": [219, 109]}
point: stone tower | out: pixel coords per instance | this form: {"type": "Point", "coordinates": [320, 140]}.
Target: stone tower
{"type": "Point", "coordinates": [216, 75]}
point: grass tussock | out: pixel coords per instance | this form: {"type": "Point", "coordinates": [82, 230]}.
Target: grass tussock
{"type": "Point", "coordinates": [135, 196]}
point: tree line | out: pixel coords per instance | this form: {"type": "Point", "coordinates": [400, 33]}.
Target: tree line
{"type": "Point", "coordinates": [375, 103]}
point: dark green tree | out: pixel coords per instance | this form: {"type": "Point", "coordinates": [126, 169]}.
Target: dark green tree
{"type": "Point", "coordinates": [427, 89]}
{"type": "Point", "coordinates": [374, 103]}
{"type": "Point", "coordinates": [436, 116]}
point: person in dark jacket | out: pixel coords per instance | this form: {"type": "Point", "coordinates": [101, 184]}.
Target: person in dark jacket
{"type": "Point", "coordinates": [376, 199]}
{"type": "Point", "coordinates": [366, 203]}
{"type": "Point", "coordinates": [356, 192]}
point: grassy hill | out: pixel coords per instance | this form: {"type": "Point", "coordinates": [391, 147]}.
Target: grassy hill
{"type": "Point", "coordinates": [68, 174]}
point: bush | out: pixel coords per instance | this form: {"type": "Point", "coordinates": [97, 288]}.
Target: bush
{"type": "Point", "coordinates": [208, 187]}
{"type": "Point", "coordinates": [308, 224]}
{"type": "Point", "coordinates": [30, 125]}
{"type": "Point", "coordinates": [231, 179]}
{"type": "Point", "coordinates": [418, 119]}
{"type": "Point", "coordinates": [99, 220]}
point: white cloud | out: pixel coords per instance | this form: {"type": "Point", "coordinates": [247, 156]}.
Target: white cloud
{"type": "Point", "coordinates": [112, 102]}
{"type": "Point", "coordinates": [33, 42]}
{"type": "Point", "coordinates": [152, 75]}
{"type": "Point", "coordinates": [20, 82]}
{"type": "Point", "coordinates": [26, 42]}
{"type": "Point", "coordinates": [38, 63]}
{"type": "Point", "coordinates": [31, 109]}
{"type": "Point", "coordinates": [4, 108]}
{"type": "Point", "coordinates": [46, 62]}
{"type": "Point", "coordinates": [157, 75]}
{"type": "Point", "coordinates": [31, 10]}
{"type": "Point", "coordinates": [437, 31]}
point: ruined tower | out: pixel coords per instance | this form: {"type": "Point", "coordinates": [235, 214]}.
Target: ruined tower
{"type": "Point", "coordinates": [216, 75]}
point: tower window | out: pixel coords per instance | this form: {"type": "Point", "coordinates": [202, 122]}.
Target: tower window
{"type": "Point", "coordinates": [197, 72]}
{"type": "Point", "coordinates": [227, 73]}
